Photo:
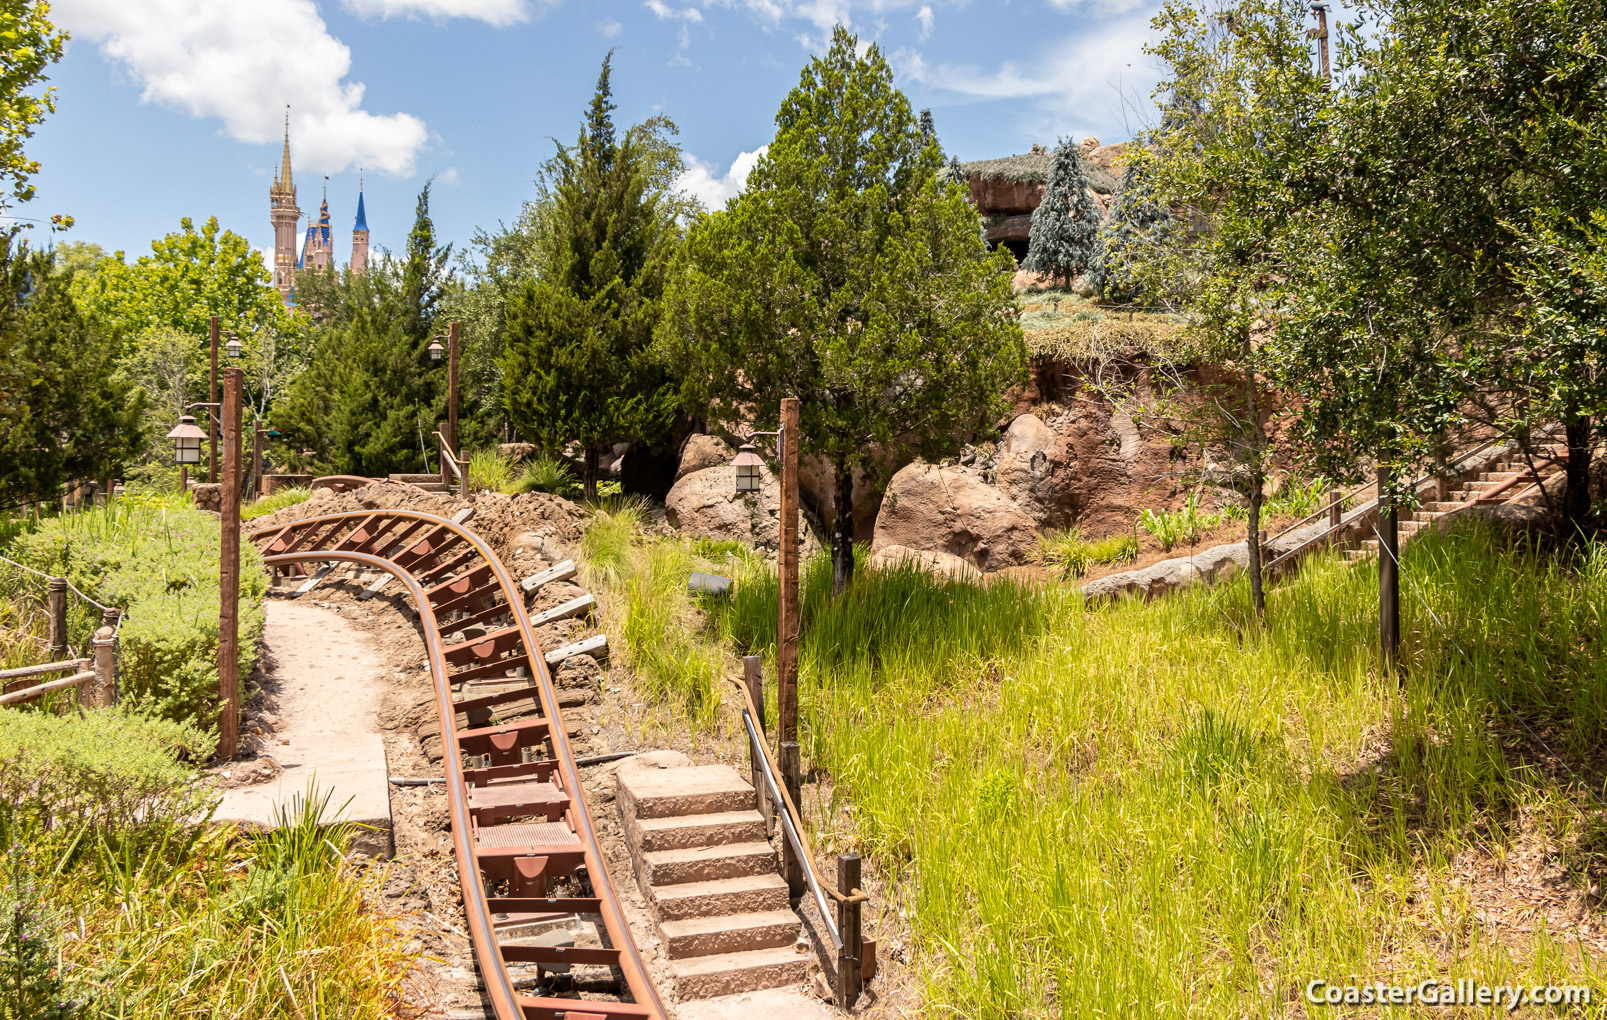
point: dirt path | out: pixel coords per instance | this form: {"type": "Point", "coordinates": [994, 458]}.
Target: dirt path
{"type": "Point", "coordinates": [315, 726]}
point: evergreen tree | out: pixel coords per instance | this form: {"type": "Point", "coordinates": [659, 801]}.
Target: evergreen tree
{"type": "Point", "coordinates": [1064, 242]}
{"type": "Point", "coordinates": [846, 276]}
{"type": "Point", "coordinates": [1137, 221]}
{"type": "Point", "coordinates": [371, 398]}
{"type": "Point", "coordinates": [577, 363]}
{"type": "Point", "coordinates": [66, 413]}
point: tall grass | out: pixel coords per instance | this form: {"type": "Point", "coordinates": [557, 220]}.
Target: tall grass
{"type": "Point", "coordinates": [274, 501]}
{"type": "Point", "coordinates": [488, 471]}
{"type": "Point", "coordinates": [546, 473]}
{"type": "Point", "coordinates": [1074, 554]}
{"type": "Point", "coordinates": [1167, 809]}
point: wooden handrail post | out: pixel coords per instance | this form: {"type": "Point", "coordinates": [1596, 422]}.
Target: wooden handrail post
{"type": "Point", "coordinates": [212, 395]}
{"type": "Point", "coordinates": [102, 691]}
{"type": "Point", "coordinates": [850, 972]}
{"type": "Point", "coordinates": [791, 776]}
{"type": "Point", "coordinates": [441, 445]}
{"type": "Point", "coordinates": [787, 562]}
{"type": "Point", "coordinates": [1336, 507]}
{"type": "Point", "coordinates": [1389, 577]}
{"type": "Point", "coordinates": [56, 600]}
{"type": "Point", "coordinates": [753, 678]}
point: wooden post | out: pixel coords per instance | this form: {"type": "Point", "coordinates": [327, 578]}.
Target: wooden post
{"type": "Point", "coordinates": [102, 691]}
{"type": "Point", "coordinates": [184, 481]}
{"type": "Point", "coordinates": [229, 572]}
{"type": "Point", "coordinates": [1442, 480]}
{"type": "Point", "coordinates": [850, 976]}
{"type": "Point", "coordinates": [753, 678]}
{"type": "Point", "coordinates": [56, 603]}
{"type": "Point", "coordinates": [787, 556]}
{"type": "Point", "coordinates": [211, 427]}
{"type": "Point", "coordinates": [256, 458]}
{"type": "Point", "coordinates": [791, 866]}
{"type": "Point", "coordinates": [1336, 507]}
{"type": "Point", "coordinates": [446, 472]}
{"type": "Point", "coordinates": [1389, 577]}
{"type": "Point", "coordinates": [452, 386]}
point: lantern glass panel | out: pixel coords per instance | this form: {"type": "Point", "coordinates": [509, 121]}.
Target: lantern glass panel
{"type": "Point", "coordinates": [747, 478]}
{"type": "Point", "coordinates": [186, 451]}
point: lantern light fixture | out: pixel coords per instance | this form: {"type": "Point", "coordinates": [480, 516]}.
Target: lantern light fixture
{"type": "Point", "coordinates": [187, 438]}
{"type": "Point", "coordinates": [435, 348]}
{"type": "Point", "coordinates": [749, 465]}
{"type": "Point", "coordinates": [234, 346]}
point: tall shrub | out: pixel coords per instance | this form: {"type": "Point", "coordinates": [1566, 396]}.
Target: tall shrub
{"type": "Point", "coordinates": [1064, 241]}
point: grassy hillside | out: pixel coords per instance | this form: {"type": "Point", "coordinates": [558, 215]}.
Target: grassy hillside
{"type": "Point", "coordinates": [1165, 809]}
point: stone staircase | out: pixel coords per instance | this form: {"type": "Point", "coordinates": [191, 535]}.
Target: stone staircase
{"type": "Point", "coordinates": [1513, 474]}
{"type": "Point", "coordinates": [429, 483]}
{"type": "Point", "coordinates": [707, 869]}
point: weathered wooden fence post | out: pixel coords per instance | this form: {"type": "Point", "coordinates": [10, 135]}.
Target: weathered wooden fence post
{"type": "Point", "coordinates": [753, 678]}
{"type": "Point", "coordinates": [1336, 507]}
{"type": "Point", "coordinates": [850, 973]}
{"type": "Point", "coordinates": [102, 691]}
{"type": "Point", "coordinates": [791, 773]}
{"type": "Point", "coordinates": [56, 603]}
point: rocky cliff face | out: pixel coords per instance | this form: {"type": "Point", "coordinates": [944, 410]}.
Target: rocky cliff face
{"type": "Point", "coordinates": [1005, 191]}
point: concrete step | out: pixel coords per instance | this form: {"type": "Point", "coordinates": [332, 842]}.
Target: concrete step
{"type": "Point", "coordinates": [690, 790]}
{"type": "Point", "coordinates": [705, 864]}
{"type": "Point", "coordinates": [1441, 508]}
{"type": "Point", "coordinates": [679, 832]}
{"type": "Point", "coordinates": [704, 977]}
{"type": "Point", "coordinates": [1427, 516]}
{"type": "Point", "coordinates": [729, 933]}
{"type": "Point", "coordinates": [749, 894]}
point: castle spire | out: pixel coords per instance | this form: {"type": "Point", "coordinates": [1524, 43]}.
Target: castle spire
{"type": "Point", "coordinates": [359, 262]}
{"type": "Point", "coordinates": [284, 165]}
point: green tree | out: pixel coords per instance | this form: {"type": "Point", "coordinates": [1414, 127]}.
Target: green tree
{"type": "Point", "coordinates": [66, 413]}
{"type": "Point", "coordinates": [1064, 240]}
{"type": "Point", "coordinates": [29, 44]}
{"type": "Point", "coordinates": [370, 397]}
{"type": "Point", "coordinates": [577, 362]}
{"type": "Point", "coordinates": [847, 276]}
{"type": "Point", "coordinates": [1137, 222]}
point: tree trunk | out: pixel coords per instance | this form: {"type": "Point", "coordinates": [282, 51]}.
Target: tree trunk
{"type": "Point", "coordinates": [1258, 596]}
{"type": "Point", "coordinates": [588, 475]}
{"type": "Point", "coordinates": [1576, 496]}
{"type": "Point", "coordinates": [842, 531]}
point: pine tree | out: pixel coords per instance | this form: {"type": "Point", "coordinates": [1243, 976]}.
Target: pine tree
{"type": "Point", "coordinates": [847, 276]}
{"type": "Point", "coordinates": [577, 363]}
{"type": "Point", "coordinates": [1064, 242]}
{"type": "Point", "coordinates": [1137, 221]}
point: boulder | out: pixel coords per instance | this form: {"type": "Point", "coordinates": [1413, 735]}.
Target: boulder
{"type": "Point", "coordinates": [937, 564]}
{"type": "Point", "coordinates": [1038, 471]}
{"type": "Point", "coordinates": [706, 504]}
{"type": "Point", "coordinates": [702, 452]}
{"type": "Point", "coordinates": [207, 496]}
{"type": "Point", "coordinates": [951, 510]}
{"type": "Point", "coordinates": [1218, 563]}
{"type": "Point", "coordinates": [817, 486]}
{"type": "Point", "coordinates": [518, 453]}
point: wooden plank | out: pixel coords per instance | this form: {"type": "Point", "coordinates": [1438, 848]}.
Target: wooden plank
{"type": "Point", "coordinates": [462, 516]}
{"type": "Point", "coordinates": [316, 579]}
{"type": "Point", "coordinates": [590, 646]}
{"type": "Point", "coordinates": [574, 607]}
{"type": "Point", "coordinates": [54, 685]}
{"type": "Point", "coordinates": [561, 572]}
{"type": "Point", "coordinates": [48, 667]}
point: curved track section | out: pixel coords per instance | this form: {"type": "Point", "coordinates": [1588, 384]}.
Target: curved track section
{"type": "Point", "coordinates": [519, 821]}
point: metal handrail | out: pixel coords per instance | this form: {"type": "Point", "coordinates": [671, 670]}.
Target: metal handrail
{"type": "Point", "coordinates": [792, 820]}
{"type": "Point", "coordinates": [450, 456]}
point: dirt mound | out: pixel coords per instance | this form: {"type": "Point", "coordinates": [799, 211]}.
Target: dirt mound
{"type": "Point", "coordinates": [510, 524]}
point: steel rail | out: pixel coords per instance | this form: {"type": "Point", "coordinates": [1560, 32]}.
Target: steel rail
{"type": "Point", "coordinates": [493, 957]}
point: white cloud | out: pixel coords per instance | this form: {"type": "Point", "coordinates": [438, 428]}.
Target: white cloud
{"type": "Point", "coordinates": [1103, 7]}
{"type": "Point", "coordinates": [242, 62]}
{"type": "Point", "coordinates": [700, 181]}
{"type": "Point", "coordinates": [666, 12]}
{"type": "Point", "coordinates": [609, 28]}
{"type": "Point", "coordinates": [449, 177]}
{"type": "Point", "coordinates": [924, 18]}
{"type": "Point", "coordinates": [492, 12]}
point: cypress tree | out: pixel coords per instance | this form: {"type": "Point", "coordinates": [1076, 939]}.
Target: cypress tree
{"type": "Point", "coordinates": [1064, 242]}
{"type": "Point", "coordinates": [576, 363]}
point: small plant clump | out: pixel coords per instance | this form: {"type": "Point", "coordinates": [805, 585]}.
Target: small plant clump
{"type": "Point", "coordinates": [1075, 554]}
{"type": "Point", "coordinates": [546, 473]}
{"type": "Point", "coordinates": [275, 501]}
{"type": "Point", "coordinates": [488, 471]}
{"type": "Point", "coordinates": [1183, 526]}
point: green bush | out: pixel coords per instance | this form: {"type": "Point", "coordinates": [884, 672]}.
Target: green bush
{"type": "Point", "coordinates": [1075, 554]}
{"type": "Point", "coordinates": [157, 558]}
{"type": "Point", "coordinates": [488, 471]}
{"type": "Point", "coordinates": [1181, 527]}
{"type": "Point", "coordinates": [547, 473]}
{"type": "Point", "coordinates": [103, 770]}
{"type": "Point", "coordinates": [274, 501]}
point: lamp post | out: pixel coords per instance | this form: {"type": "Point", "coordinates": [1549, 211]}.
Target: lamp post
{"type": "Point", "coordinates": [748, 465]}
{"type": "Point", "coordinates": [187, 437]}
{"type": "Point", "coordinates": [212, 397]}
{"type": "Point", "coordinates": [229, 571]}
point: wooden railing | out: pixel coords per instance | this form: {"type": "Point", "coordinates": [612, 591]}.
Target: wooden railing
{"type": "Point", "coordinates": [856, 955]}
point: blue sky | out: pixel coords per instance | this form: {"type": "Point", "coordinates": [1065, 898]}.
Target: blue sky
{"type": "Point", "coordinates": [172, 108]}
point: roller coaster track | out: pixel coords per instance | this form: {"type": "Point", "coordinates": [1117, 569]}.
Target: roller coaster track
{"type": "Point", "coordinates": [519, 820]}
